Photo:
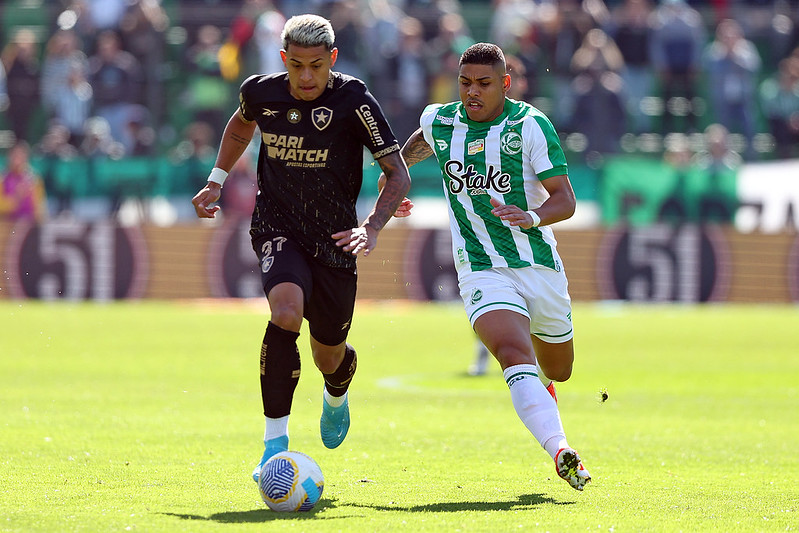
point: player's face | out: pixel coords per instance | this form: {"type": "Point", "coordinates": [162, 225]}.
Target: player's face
{"type": "Point", "coordinates": [308, 69]}
{"type": "Point", "coordinates": [482, 90]}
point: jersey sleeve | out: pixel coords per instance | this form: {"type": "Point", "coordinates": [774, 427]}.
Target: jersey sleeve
{"type": "Point", "coordinates": [373, 128]}
{"type": "Point", "coordinates": [426, 122]}
{"type": "Point", "coordinates": [543, 147]}
{"type": "Point", "coordinates": [244, 92]}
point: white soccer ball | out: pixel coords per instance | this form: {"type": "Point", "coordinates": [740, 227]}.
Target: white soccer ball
{"type": "Point", "coordinates": [290, 481]}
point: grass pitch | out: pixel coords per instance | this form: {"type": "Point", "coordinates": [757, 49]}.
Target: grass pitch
{"type": "Point", "coordinates": [146, 417]}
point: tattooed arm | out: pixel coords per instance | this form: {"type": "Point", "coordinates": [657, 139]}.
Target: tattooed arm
{"type": "Point", "coordinates": [396, 184]}
{"type": "Point", "coordinates": [416, 149]}
{"type": "Point", "coordinates": [237, 136]}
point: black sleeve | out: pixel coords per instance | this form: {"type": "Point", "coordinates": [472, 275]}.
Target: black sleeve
{"type": "Point", "coordinates": [372, 127]}
{"type": "Point", "coordinates": [244, 91]}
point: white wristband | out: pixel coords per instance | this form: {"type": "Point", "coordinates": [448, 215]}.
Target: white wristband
{"type": "Point", "coordinates": [536, 218]}
{"type": "Point", "coordinates": [217, 175]}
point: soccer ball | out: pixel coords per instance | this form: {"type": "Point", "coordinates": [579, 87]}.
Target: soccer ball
{"type": "Point", "coordinates": [290, 481]}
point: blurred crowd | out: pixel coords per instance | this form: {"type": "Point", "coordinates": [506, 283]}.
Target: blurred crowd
{"type": "Point", "coordinates": [127, 78]}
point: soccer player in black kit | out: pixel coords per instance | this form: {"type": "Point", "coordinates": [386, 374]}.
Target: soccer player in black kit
{"type": "Point", "coordinates": [314, 124]}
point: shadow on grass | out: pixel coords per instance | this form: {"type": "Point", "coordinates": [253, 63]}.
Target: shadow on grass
{"type": "Point", "coordinates": [524, 501]}
{"type": "Point", "coordinates": [258, 515]}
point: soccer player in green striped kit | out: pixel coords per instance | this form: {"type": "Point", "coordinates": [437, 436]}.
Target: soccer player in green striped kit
{"type": "Point", "coordinates": [506, 181]}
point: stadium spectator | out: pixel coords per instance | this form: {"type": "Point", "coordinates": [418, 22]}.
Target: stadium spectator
{"type": "Point", "coordinates": [267, 40]}
{"type": "Point", "coordinates": [191, 157]}
{"type": "Point", "coordinates": [498, 247]}
{"type": "Point", "coordinates": [510, 19]}
{"type": "Point", "coordinates": [207, 91]}
{"type": "Point", "coordinates": [55, 149]}
{"type": "Point", "coordinates": [22, 195]}
{"type": "Point", "coordinates": [599, 112]}
{"type": "Point", "coordinates": [98, 145]}
{"type": "Point", "coordinates": [677, 39]}
{"type": "Point", "coordinates": [718, 164]}
{"type": "Point", "coordinates": [408, 79]}
{"type": "Point", "coordinates": [779, 99]}
{"type": "Point", "coordinates": [72, 104]}
{"type": "Point", "coordinates": [430, 13]}
{"type": "Point", "coordinates": [116, 80]}
{"type": "Point", "coordinates": [381, 37]}
{"type": "Point", "coordinates": [21, 65]}
{"type": "Point", "coordinates": [526, 58]}
{"type": "Point", "coordinates": [629, 29]}
{"type": "Point", "coordinates": [676, 207]}
{"type": "Point", "coordinates": [345, 17]}
{"type": "Point", "coordinates": [563, 27]}
{"type": "Point", "coordinates": [142, 31]}
{"type": "Point", "coordinates": [733, 64]}
{"type": "Point", "coordinates": [63, 61]}
{"type": "Point", "coordinates": [305, 226]}
{"type": "Point", "coordinates": [138, 137]}
{"type": "Point", "coordinates": [3, 89]}
{"type": "Point", "coordinates": [105, 14]}
{"type": "Point", "coordinates": [782, 36]}
{"type": "Point", "coordinates": [444, 50]}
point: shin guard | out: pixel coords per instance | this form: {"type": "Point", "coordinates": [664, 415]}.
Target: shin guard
{"type": "Point", "coordinates": [338, 382]}
{"type": "Point", "coordinates": [280, 370]}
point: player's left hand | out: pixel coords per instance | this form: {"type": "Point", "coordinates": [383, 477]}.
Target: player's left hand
{"type": "Point", "coordinates": [404, 209]}
{"type": "Point", "coordinates": [357, 240]}
{"type": "Point", "coordinates": [515, 215]}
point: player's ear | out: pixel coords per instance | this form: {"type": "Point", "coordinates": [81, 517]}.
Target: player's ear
{"type": "Point", "coordinates": [283, 57]}
{"type": "Point", "coordinates": [333, 56]}
{"type": "Point", "coordinates": [506, 83]}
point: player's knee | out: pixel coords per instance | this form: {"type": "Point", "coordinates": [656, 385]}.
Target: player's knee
{"type": "Point", "coordinates": [561, 374]}
{"type": "Point", "coordinates": [328, 360]}
{"type": "Point", "coordinates": [509, 354]}
{"type": "Point", "coordinates": [559, 371]}
{"type": "Point", "coordinates": [287, 315]}
{"type": "Point", "coordinates": [338, 376]}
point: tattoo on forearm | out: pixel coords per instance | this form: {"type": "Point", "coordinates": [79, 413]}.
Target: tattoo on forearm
{"type": "Point", "coordinates": [416, 149]}
{"type": "Point", "coordinates": [239, 139]}
{"type": "Point", "coordinates": [397, 185]}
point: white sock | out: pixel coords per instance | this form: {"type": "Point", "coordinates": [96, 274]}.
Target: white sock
{"type": "Point", "coordinates": [334, 401]}
{"type": "Point", "coordinates": [276, 427]}
{"type": "Point", "coordinates": [535, 407]}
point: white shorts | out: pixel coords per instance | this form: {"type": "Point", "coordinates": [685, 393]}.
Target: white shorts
{"type": "Point", "coordinates": [540, 294]}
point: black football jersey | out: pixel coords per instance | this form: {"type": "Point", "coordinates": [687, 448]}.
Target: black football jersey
{"type": "Point", "coordinates": [310, 166]}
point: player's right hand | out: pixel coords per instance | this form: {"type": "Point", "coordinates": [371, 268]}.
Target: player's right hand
{"type": "Point", "coordinates": [202, 200]}
{"type": "Point", "coordinates": [404, 209]}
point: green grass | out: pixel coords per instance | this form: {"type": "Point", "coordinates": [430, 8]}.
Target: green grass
{"type": "Point", "coordinates": [146, 417]}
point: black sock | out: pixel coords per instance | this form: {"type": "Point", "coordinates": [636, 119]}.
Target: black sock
{"type": "Point", "coordinates": [338, 382]}
{"type": "Point", "coordinates": [280, 370]}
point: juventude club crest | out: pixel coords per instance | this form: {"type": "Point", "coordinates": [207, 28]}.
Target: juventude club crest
{"type": "Point", "coordinates": [510, 143]}
{"type": "Point", "coordinates": [322, 117]}
{"type": "Point", "coordinates": [477, 295]}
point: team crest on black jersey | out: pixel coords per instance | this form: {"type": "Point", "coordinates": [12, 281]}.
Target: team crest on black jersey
{"type": "Point", "coordinates": [294, 115]}
{"type": "Point", "coordinates": [322, 116]}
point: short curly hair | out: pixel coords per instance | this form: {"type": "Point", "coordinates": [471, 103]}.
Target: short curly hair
{"type": "Point", "coordinates": [483, 54]}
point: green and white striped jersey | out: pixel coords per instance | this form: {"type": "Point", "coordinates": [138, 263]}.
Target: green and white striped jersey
{"type": "Point", "coordinates": [504, 159]}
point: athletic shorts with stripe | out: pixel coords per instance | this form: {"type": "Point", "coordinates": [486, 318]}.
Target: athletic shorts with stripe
{"type": "Point", "coordinates": [329, 292]}
{"type": "Point", "coordinates": [541, 294]}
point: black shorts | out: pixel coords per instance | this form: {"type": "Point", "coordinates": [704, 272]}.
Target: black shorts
{"type": "Point", "coordinates": [329, 292]}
